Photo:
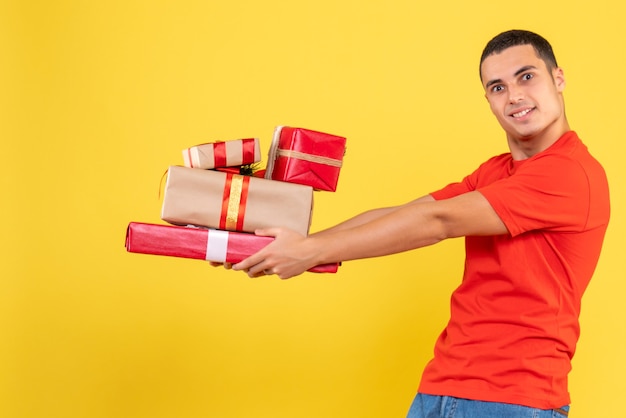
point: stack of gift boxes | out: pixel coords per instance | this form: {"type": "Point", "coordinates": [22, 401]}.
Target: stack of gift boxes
{"type": "Point", "coordinates": [215, 201]}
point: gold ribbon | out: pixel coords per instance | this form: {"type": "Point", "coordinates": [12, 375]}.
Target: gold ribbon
{"type": "Point", "coordinates": [232, 213]}
{"type": "Point", "coordinates": [308, 157]}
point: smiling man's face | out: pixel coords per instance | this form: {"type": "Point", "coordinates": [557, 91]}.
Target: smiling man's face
{"type": "Point", "coordinates": [524, 95]}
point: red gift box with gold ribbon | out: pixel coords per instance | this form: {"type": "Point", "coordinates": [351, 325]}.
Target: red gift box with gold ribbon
{"type": "Point", "coordinates": [234, 202]}
{"type": "Point", "coordinates": [304, 156]}
{"type": "Point", "coordinates": [199, 243]}
{"type": "Point", "coordinates": [223, 154]}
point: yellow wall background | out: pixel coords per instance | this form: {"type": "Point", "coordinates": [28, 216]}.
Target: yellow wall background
{"type": "Point", "coordinates": [98, 98]}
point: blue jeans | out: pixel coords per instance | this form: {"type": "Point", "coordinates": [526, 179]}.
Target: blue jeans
{"type": "Point", "coordinates": [428, 406]}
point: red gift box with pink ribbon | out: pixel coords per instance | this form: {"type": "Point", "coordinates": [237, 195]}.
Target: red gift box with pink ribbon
{"type": "Point", "coordinates": [234, 202]}
{"type": "Point", "coordinates": [199, 243]}
{"type": "Point", "coordinates": [307, 157]}
{"type": "Point", "coordinates": [218, 154]}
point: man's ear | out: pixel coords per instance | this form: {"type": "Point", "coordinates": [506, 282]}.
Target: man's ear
{"type": "Point", "coordinates": [559, 78]}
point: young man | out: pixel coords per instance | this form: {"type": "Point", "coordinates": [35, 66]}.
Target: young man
{"type": "Point", "coordinates": [534, 221]}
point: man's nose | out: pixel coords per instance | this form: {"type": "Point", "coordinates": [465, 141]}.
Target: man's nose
{"type": "Point", "coordinates": [515, 94]}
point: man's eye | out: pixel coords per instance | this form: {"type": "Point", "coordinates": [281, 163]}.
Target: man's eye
{"type": "Point", "coordinates": [527, 76]}
{"type": "Point", "coordinates": [496, 89]}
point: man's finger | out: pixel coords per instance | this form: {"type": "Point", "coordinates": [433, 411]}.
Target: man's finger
{"type": "Point", "coordinates": [227, 266]}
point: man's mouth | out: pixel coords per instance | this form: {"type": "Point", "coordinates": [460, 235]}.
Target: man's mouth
{"type": "Point", "coordinates": [522, 113]}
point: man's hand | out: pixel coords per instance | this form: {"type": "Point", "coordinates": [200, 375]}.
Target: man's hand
{"type": "Point", "coordinates": [290, 254]}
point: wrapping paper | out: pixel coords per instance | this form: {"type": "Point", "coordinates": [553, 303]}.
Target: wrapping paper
{"type": "Point", "coordinates": [306, 157]}
{"type": "Point", "coordinates": [199, 243]}
{"type": "Point", "coordinates": [223, 154]}
{"type": "Point", "coordinates": [234, 202]}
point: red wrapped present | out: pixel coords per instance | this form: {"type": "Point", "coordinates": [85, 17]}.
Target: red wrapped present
{"type": "Point", "coordinates": [234, 202]}
{"type": "Point", "coordinates": [307, 157]}
{"type": "Point", "coordinates": [223, 154]}
{"type": "Point", "coordinates": [199, 243]}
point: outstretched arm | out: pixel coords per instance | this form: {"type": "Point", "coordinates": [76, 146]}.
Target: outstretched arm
{"type": "Point", "coordinates": [376, 233]}
{"type": "Point", "coordinates": [357, 220]}
{"type": "Point", "coordinates": [369, 216]}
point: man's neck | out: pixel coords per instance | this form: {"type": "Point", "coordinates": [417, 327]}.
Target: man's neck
{"type": "Point", "coordinates": [524, 148]}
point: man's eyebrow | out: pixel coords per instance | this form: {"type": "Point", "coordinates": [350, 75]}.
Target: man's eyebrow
{"type": "Point", "coordinates": [492, 82]}
{"type": "Point", "coordinates": [518, 72]}
{"type": "Point", "coordinates": [524, 69]}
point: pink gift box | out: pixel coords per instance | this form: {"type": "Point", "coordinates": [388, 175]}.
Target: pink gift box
{"type": "Point", "coordinates": [199, 243]}
{"type": "Point", "coordinates": [306, 157]}
{"type": "Point", "coordinates": [223, 154]}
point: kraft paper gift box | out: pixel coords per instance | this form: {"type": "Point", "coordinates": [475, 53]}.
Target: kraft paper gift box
{"type": "Point", "coordinates": [234, 202]}
{"type": "Point", "coordinates": [307, 157]}
{"type": "Point", "coordinates": [223, 154]}
{"type": "Point", "coordinates": [199, 243]}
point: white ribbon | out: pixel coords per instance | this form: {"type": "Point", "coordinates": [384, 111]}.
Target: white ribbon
{"type": "Point", "coordinates": [191, 157]}
{"type": "Point", "coordinates": [195, 157]}
{"type": "Point", "coordinates": [216, 245]}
